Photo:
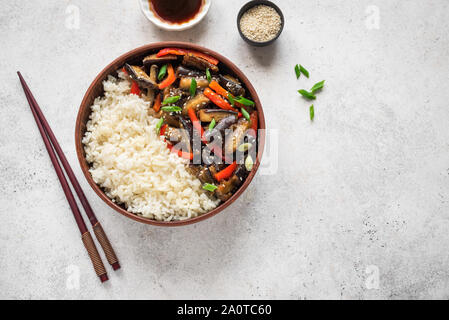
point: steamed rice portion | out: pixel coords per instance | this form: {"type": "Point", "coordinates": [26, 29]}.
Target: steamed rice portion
{"type": "Point", "coordinates": [133, 164]}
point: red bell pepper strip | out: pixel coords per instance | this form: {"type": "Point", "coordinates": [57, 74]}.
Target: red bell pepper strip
{"type": "Point", "coordinates": [219, 101]}
{"type": "Point", "coordinates": [253, 122]}
{"type": "Point", "coordinates": [135, 88]}
{"type": "Point", "coordinates": [183, 52]}
{"type": "Point", "coordinates": [219, 89]}
{"type": "Point", "coordinates": [180, 153]}
{"type": "Point", "coordinates": [124, 71]}
{"type": "Point", "coordinates": [171, 77]}
{"type": "Point", "coordinates": [163, 128]}
{"type": "Point", "coordinates": [214, 85]}
{"type": "Point", "coordinates": [226, 173]}
{"type": "Point", "coordinates": [157, 103]}
{"type": "Point", "coordinates": [196, 124]}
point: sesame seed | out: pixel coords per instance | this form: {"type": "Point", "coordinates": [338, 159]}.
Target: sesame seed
{"type": "Point", "coordinates": [261, 23]}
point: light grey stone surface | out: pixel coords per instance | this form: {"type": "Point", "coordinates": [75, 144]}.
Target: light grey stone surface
{"type": "Point", "coordinates": [362, 191]}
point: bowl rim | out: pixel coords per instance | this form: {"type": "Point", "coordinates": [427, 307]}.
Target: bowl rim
{"type": "Point", "coordinates": [144, 6]}
{"type": "Point", "coordinates": [254, 3]}
{"type": "Point", "coordinates": [112, 67]}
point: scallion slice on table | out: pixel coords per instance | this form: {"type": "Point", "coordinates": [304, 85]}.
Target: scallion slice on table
{"type": "Point", "coordinates": [208, 75]}
{"type": "Point", "coordinates": [212, 124]}
{"type": "Point", "coordinates": [317, 86]}
{"type": "Point", "coordinates": [306, 94]}
{"type": "Point", "coordinates": [162, 72]}
{"type": "Point", "coordinates": [159, 125]}
{"type": "Point", "coordinates": [171, 109]}
{"type": "Point", "coordinates": [209, 187]}
{"type": "Point", "coordinates": [304, 71]}
{"type": "Point", "coordinates": [246, 114]}
{"type": "Point", "coordinates": [193, 86]}
{"type": "Point", "coordinates": [312, 112]}
{"type": "Point", "coordinates": [171, 100]}
{"type": "Point", "coordinates": [297, 71]}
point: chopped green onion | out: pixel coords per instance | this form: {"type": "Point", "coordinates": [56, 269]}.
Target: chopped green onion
{"type": "Point", "coordinates": [208, 76]}
{"type": "Point", "coordinates": [317, 86]}
{"type": "Point", "coordinates": [312, 112]}
{"type": "Point", "coordinates": [231, 99]}
{"type": "Point", "coordinates": [244, 147]}
{"type": "Point", "coordinates": [162, 72]}
{"type": "Point", "coordinates": [297, 71]}
{"type": "Point", "coordinates": [159, 125]}
{"type": "Point", "coordinates": [212, 124]}
{"type": "Point", "coordinates": [249, 163]}
{"type": "Point", "coordinates": [171, 109]}
{"type": "Point", "coordinates": [244, 101]}
{"type": "Point", "coordinates": [209, 187]}
{"type": "Point", "coordinates": [304, 71]}
{"type": "Point", "coordinates": [193, 86]}
{"type": "Point", "coordinates": [306, 94]}
{"type": "Point", "coordinates": [171, 100]}
{"type": "Point", "coordinates": [246, 114]}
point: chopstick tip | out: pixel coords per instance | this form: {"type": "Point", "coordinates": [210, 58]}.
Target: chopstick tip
{"type": "Point", "coordinates": [104, 277]}
{"type": "Point", "coordinates": [116, 266]}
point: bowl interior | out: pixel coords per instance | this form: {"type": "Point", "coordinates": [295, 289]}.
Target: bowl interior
{"type": "Point", "coordinates": [149, 14]}
{"type": "Point", "coordinates": [96, 89]}
{"type": "Point", "coordinates": [254, 3]}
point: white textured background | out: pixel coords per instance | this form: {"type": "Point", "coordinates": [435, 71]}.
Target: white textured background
{"type": "Point", "coordinates": [364, 188]}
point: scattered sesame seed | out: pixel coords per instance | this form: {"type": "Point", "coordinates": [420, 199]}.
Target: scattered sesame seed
{"type": "Point", "coordinates": [261, 23]}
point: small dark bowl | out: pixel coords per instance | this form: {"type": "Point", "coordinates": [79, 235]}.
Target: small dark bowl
{"type": "Point", "coordinates": [254, 3]}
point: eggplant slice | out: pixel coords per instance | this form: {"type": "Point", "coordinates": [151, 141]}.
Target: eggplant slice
{"type": "Point", "coordinates": [206, 115]}
{"type": "Point", "coordinates": [154, 59]}
{"type": "Point", "coordinates": [185, 82]}
{"type": "Point", "coordinates": [138, 74]}
{"type": "Point", "coordinates": [198, 102]}
{"type": "Point", "coordinates": [232, 85]}
{"type": "Point", "coordinates": [236, 137]}
{"type": "Point", "coordinates": [191, 60]}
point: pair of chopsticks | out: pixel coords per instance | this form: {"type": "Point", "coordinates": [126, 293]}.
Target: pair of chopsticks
{"type": "Point", "coordinates": [52, 145]}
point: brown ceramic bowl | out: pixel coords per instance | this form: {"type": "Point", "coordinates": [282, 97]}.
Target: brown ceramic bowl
{"type": "Point", "coordinates": [96, 89]}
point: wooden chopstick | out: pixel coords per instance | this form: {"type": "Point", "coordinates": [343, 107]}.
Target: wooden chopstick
{"type": "Point", "coordinates": [85, 235]}
{"type": "Point", "coordinates": [98, 229]}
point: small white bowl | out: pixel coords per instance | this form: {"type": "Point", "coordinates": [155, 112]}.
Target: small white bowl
{"type": "Point", "coordinates": [145, 6]}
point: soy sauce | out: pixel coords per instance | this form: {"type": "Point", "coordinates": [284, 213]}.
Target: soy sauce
{"type": "Point", "coordinates": [176, 11]}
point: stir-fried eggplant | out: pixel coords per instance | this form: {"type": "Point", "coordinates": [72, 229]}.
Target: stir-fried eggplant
{"type": "Point", "coordinates": [138, 74]}
{"type": "Point", "coordinates": [202, 119]}
{"type": "Point", "coordinates": [232, 85]}
{"type": "Point", "coordinates": [224, 190]}
{"type": "Point", "coordinates": [206, 115]}
{"type": "Point", "coordinates": [186, 82]}
{"type": "Point", "coordinates": [183, 71]}
{"type": "Point", "coordinates": [151, 91]}
{"type": "Point", "coordinates": [191, 60]}
{"type": "Point", "coordinates": [222, 125]}
{"type": "Point", "coordinates": [197, 102]}
{"type": "Point", "coordinates": [237, 135]}
{"type": "Point", "coordinates": [154, 59]}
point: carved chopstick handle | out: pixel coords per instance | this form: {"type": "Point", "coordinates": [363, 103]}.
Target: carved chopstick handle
{"type": "Point", "coordinates": [94, 256]}
{"type": "Point", "coordinates": [106, 245]}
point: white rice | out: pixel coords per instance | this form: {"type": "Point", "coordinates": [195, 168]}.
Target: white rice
{"type": "Point", "coordinates": [133, 164]}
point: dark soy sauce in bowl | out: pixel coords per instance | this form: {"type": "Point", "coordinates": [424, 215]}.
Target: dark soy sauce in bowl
{"type": "Point", "coordinates": [176, 11]}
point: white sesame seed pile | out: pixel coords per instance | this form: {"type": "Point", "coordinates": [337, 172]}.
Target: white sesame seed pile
{"type": "Point", "coordinates": [260, 23]}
